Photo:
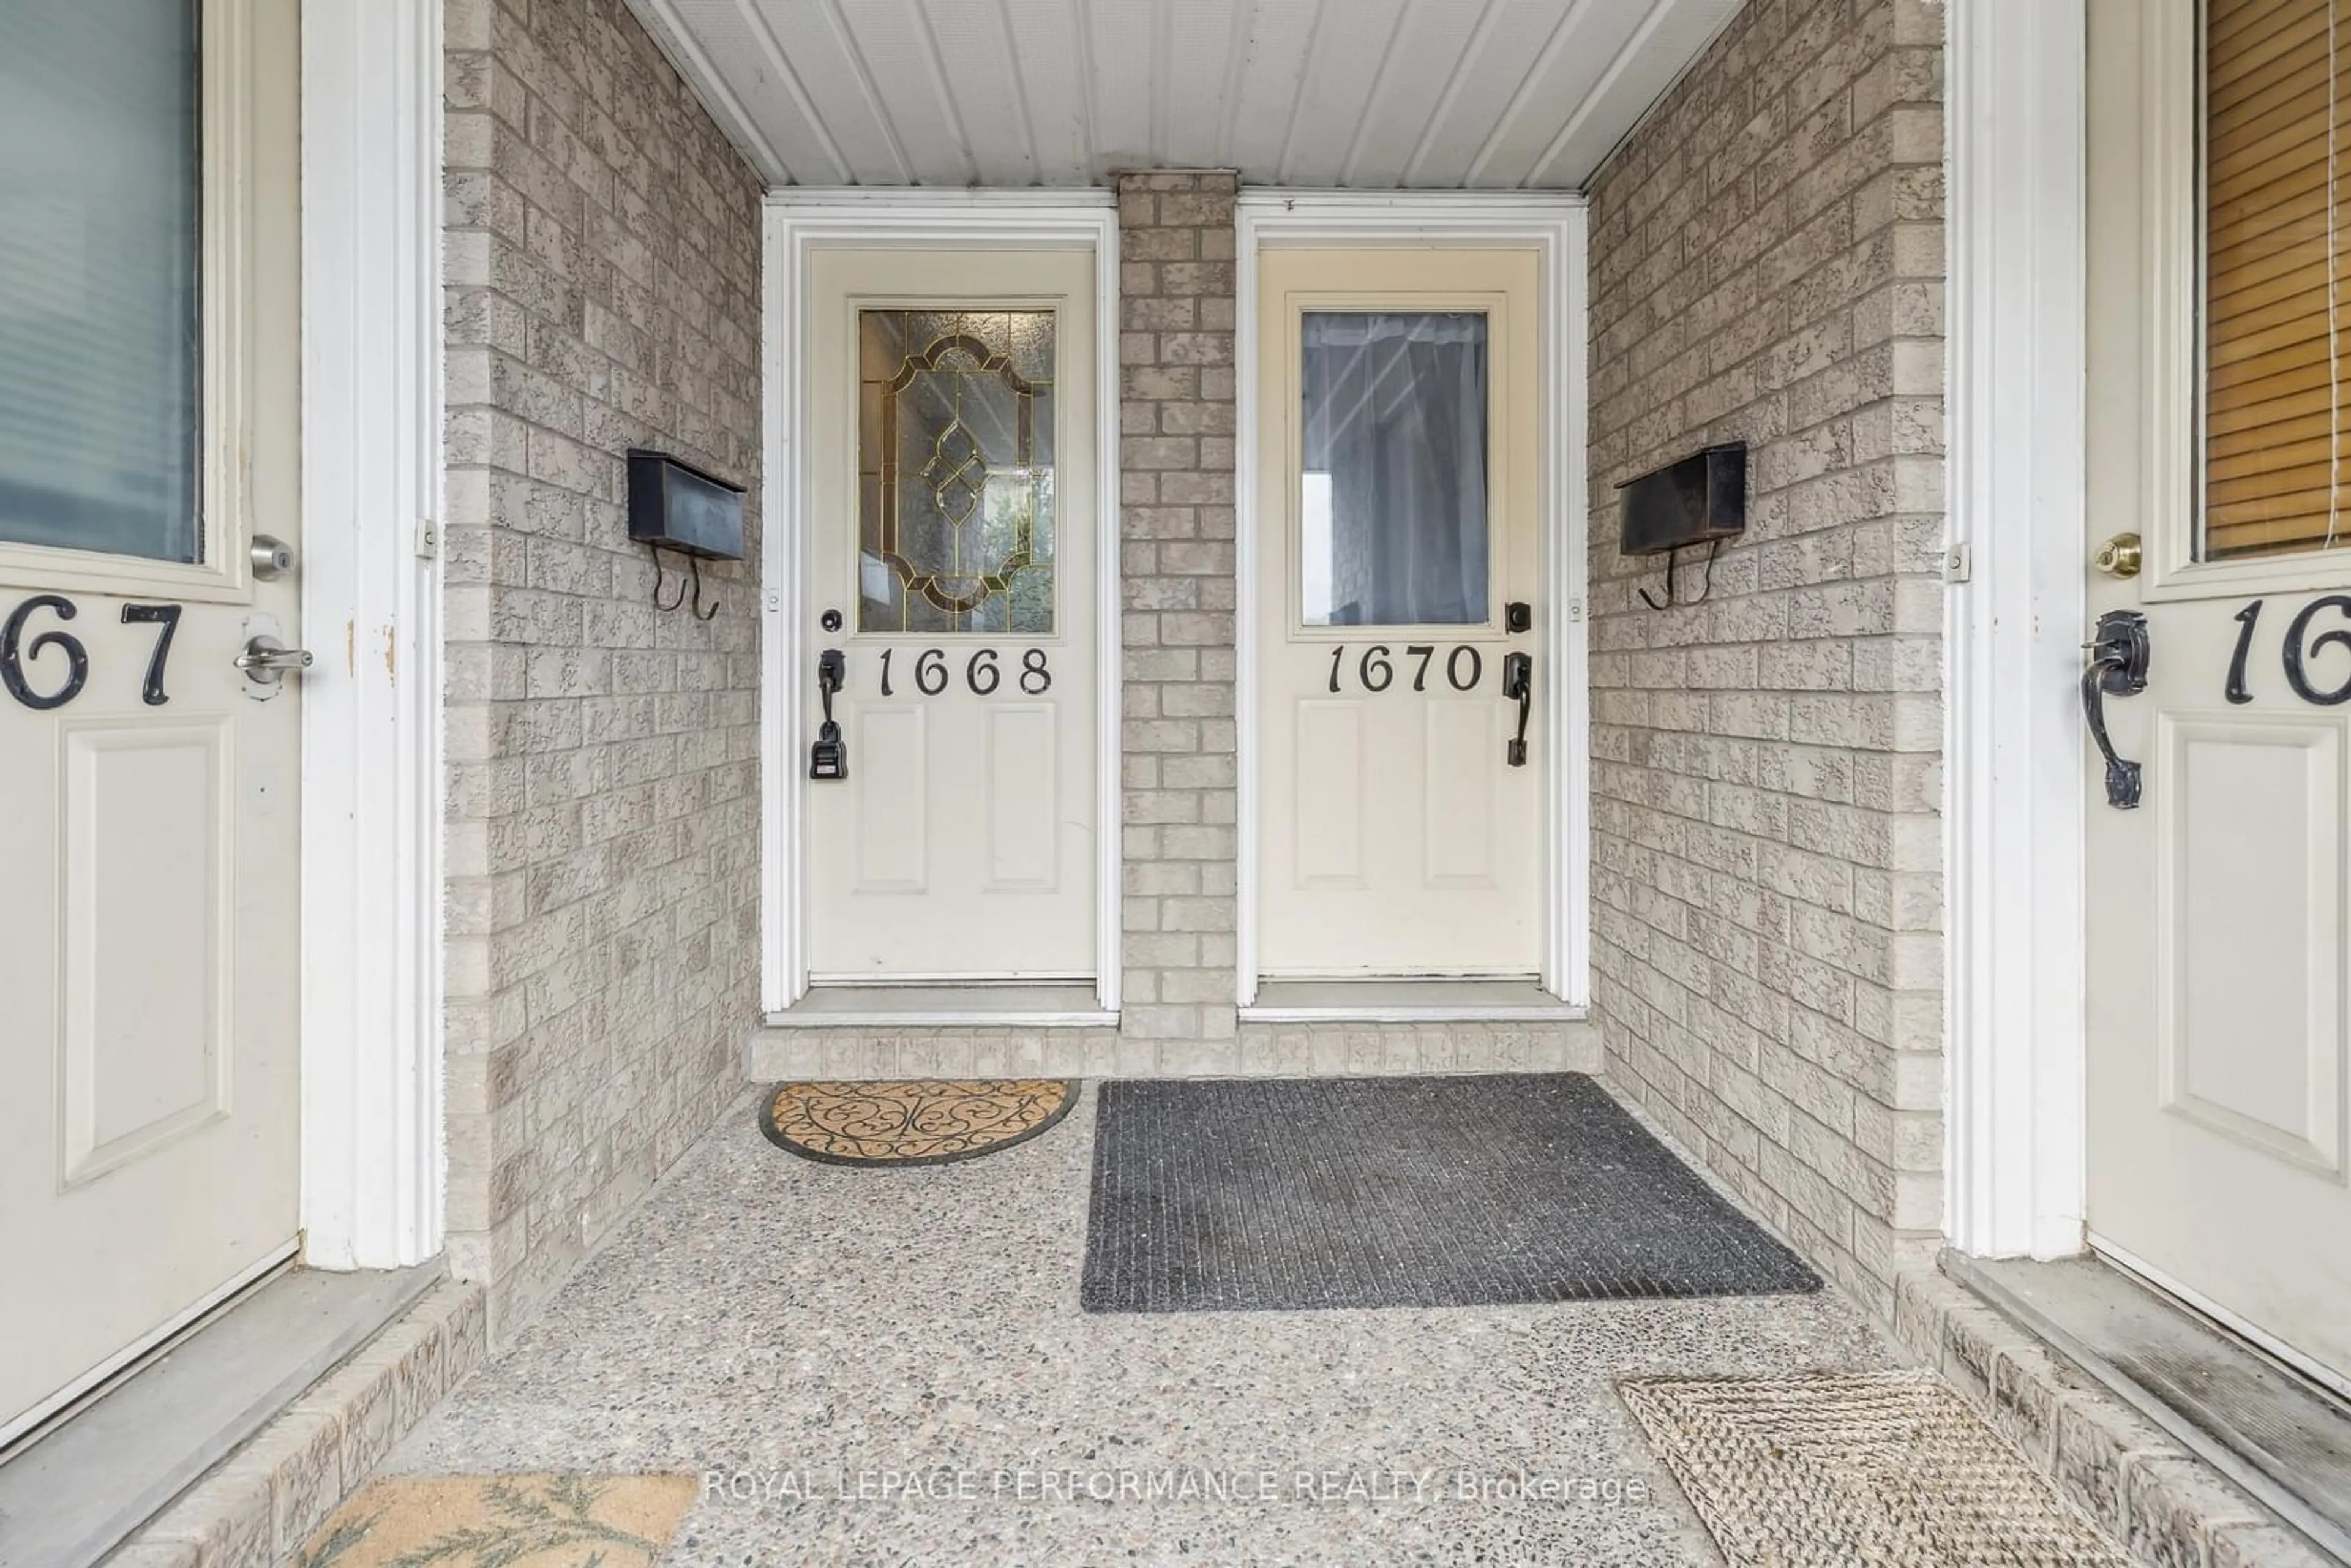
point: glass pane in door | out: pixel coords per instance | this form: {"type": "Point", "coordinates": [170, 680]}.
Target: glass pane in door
{"type": "Point", "coordinates": [100, 292]}
{"type": "Point", "coordinates": [1392, 488]}
{"type": "Point", "coordinates": [2275, 308]}
{"type": "Point", "coordinates": [954, 458]}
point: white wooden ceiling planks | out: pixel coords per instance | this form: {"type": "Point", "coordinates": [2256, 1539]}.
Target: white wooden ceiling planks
{"type": "Point", "coordinates": [1368, 94]}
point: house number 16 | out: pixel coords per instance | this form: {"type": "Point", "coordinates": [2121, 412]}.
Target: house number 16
{"type": "Point", "coordinates": [2300, 645]}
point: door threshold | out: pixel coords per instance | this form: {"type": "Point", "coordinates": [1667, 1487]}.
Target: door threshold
{"type": "Point", "coordinates": [2279, 1435]}
{"type": "Point", "coordinates": [1407, 1001]}
{"type": "Point", "coordinates": [946, 1006]}
{"type": "Point", "coordinates": [81, 1488]}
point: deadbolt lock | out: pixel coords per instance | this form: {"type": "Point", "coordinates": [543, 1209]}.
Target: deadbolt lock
{"type": "Point", "coordinates": [272, 559]}
{"type": "Point", "coordinates": [2118, 557]}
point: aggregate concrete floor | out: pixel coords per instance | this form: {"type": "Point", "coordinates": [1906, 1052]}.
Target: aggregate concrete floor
{"type": "Point", "coordinates": [890, 1367]}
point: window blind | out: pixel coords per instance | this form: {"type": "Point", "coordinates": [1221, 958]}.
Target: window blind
{"type": "Point", "coordinates": [100, 292]}
{"type": "Point", "coordinates": [2276, 356]}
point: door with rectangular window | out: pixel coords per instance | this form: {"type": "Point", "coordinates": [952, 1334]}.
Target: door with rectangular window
{"type": "Point", "coordinates": [2219, 688]}
{"type": "Point", "coordinates": [149, 821]}
{"type": "Point", "coordinates": [949, 619]}
{"type": "Point", "coordinates": [1400, 778]}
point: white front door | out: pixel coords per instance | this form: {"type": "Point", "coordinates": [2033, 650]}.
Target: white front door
{"type": "Point", "coordinates": [1398, 484]}
{"type": "Point", "coordinates": [150, 932]}
{"type": "Point", "coordinates": [951, 585]}
{"type": "Point", "coordinates": [2220, 1021]}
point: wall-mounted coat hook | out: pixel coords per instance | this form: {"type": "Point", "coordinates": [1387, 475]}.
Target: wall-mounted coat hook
{"type": "Point", "coordinates": [693, 578]}
{"type": "Point", "coordinates": [1713, 549]}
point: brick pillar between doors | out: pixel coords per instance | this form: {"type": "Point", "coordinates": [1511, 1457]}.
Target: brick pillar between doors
{"type": "Point", "coordinates": [1176, 571]}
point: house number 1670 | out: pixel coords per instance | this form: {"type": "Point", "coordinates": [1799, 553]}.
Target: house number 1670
{"type": "Point", "coordinates": [1376, 671]}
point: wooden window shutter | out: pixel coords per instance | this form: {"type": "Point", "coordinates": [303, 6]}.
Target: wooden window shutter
{"type": "Point", "coordinates": [2275, 277]}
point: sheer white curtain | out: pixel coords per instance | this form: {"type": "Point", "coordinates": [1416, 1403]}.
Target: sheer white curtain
{"type": "Point", "coordinates": [1395, 469]}
{"type": "Point", "coordinates": [101, 333]}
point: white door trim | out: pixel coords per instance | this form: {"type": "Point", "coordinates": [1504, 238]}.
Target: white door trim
{"type": "Point", "coordinates": [2013, 828]}
{"type": "Point", "coordinates": [798, 218]}
{"type": "Point", "coordinates": [372, 475]}
{"type": "Point", "coordinates": [1555, 225]}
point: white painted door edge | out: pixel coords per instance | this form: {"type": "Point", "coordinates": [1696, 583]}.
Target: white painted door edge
{"type": "Point", "coordinates": [1555, 224]}
{"type": "Point", "coordinates": [2013, 817]}
{"type": "Point", "coordinates": [372, 1168]}
{"type": "Point", "coordinates": [797, 218]}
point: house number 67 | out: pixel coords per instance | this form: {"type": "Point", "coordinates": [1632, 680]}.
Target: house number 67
{"type": "Point", "coordinates": [15, 650]}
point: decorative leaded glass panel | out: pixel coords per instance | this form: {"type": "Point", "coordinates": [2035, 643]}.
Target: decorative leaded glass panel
{"type": "Point", "coordinates": [954, 460]}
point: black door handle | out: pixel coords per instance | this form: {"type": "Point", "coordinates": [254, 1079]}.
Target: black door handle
{"type": "Point", "coordinates": [1519, 684]}
{"type": "Point", "coordinates": [829, 758]}
{"type": "Point", "coordinates": [2117, 667]}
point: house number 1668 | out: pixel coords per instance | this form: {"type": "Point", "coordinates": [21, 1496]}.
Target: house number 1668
{"type": "Point", "coordinates": [983, 673]}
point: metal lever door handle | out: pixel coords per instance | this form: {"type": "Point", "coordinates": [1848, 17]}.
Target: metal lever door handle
{"type": "Point", "coordinates": [1519, 683]}
{"type": "Point", "coordinates": [265, 660]}
{"type": "Point", "coordinates": [2117, 667]}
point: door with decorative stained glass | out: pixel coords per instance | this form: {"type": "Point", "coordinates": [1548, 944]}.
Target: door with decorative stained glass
{"type": "Point", "coordinates": [950, 616]}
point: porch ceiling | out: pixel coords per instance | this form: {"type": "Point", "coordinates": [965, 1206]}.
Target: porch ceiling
{"type": "Point", "coordinates": [1377, 94]}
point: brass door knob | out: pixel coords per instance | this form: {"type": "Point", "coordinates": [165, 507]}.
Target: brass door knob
{"type": "Point", "coordinates": [2118, 557]}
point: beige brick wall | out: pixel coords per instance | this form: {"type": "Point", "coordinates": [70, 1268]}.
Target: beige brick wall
{"type": "Point", "coordinates": [1767, 264]}
{"type": "Point", "coordinates": [1177, 573]}
{"type": "Point", "coordinates": [602, 292]}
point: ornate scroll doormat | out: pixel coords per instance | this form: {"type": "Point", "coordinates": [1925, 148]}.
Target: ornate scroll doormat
{"type": "Point", "coordinates": [924, 1122]}
{"type": "Point", "coordinates": [1889, 1469]}
{"type": "Point", "coordinates": [503, 1521]}
{"type": "Point", "coordinates": [1283, 1194]}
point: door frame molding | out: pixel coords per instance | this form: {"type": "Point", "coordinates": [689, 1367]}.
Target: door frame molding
{"type": "Point", "coordinates": [372, 1162]}
{"type": "Point", "coordinates": [2013, 820]}
{"type": "Point", "coordinates": [1554, 226]}
{"type": "Point", "coordinates": [798, 219]}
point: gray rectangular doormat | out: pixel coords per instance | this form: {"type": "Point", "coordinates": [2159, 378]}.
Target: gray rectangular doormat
{"type": "Point", "coordinates": [1282, 1194]}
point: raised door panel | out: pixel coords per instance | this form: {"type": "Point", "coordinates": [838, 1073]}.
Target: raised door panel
{"type": "Point", "coordinates": [145, 919]}
{"type": "Point", "coordinates": [2249, 885]}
